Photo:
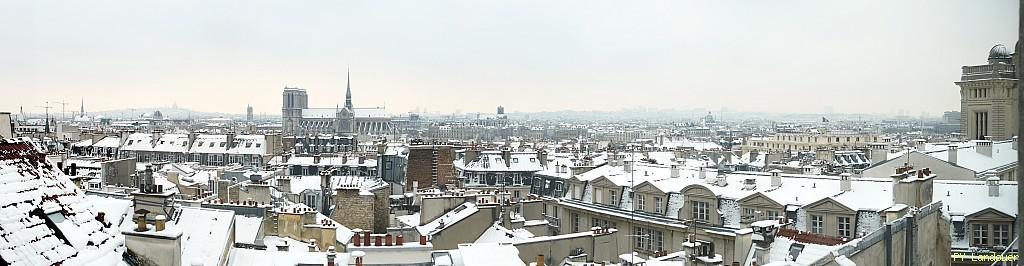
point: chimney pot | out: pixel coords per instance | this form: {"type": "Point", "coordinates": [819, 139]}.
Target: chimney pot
{"type": "Point", "coordinates": [161, 222]}
{"type": "Point", "coordinates": [387, 240]}
{"type": "Point", "coordinates": [398, 240]}
{"type": "Point", "coordinates": [423, 240]}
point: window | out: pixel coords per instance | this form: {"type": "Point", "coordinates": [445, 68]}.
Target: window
{"type": "Point", "coordinates": [257, 145]}
{"type": "Point", "coordinates": [640, 202]}
{"type": "Point", "coordinates": [575, 222]}
{"type": "Point", "coordinates": [659, 241]}
{"type": "Point", "coordinates": [700, 210]}
{"type": "Point", "coordinates": [248, 145]}
{"type": "Point", "coordinates": [639, 235]}
{"type": "Point", "coordinates": [614, 199]}
{"type": "Point", "coordinates": [979, 233]}
{"type": "Point", "coordinates": [772, 215]}
{"type": "Point", "coordinates": [748, 213]}
{"type": "Point", "coordinates": [1001, 234]}
{"type": "Point", "coordinates": [657, 204]}
{"type": "Point", "coordinates": [817, 223]}
{"type": "Point", "coordinates": [843, 226]}
{"type": "Point", "coordinates": [222, 144]}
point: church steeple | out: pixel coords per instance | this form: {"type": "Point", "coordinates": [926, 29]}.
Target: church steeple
{"type": "Point", "coordinates": [348, 90]}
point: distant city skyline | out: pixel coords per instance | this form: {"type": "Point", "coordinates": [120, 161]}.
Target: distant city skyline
{"type": "Point", "coordinates": [790, 56]}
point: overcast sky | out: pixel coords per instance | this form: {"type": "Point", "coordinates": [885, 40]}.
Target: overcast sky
{"type": "Point", "coordinates": [470, 56]}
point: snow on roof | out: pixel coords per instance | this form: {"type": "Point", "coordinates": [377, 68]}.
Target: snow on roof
{"type": "Point", "coordinates": [249, 144]}
{"type": "Point", "coordinates": [205, 234]}
{"type": "Point", "coordinates": [320, 112]}
{"type": "Point", "coordinates": [108, 142]}
{"type": "Point", "coordinates": [490, 254]}
{"type": "Point", "coordinates": [369, 112]}
{"type": "Point", "coordinates": [448, 219]}
{"type": "Point", "coordinates": [271, 257]}
{"type": "Point", "coordinates": [83, 143]}
{"type": "Point", "coordinates": [172, 143]}
{"type": "Point", "coordinates": [246, 228]}
{"type": "Point", "coordinates": [492, 161]}
{"type": "Point", "coordinates": [210, 144]}
{"type": "Point", "coordinates": [30, 184]}
{"type": "Point", "coordinates": [556, 160]}
{"type": "Point", "coordinates": [968, 197]}
{"type": "Point", "coordinates": [780, 251]}
{"type": "Point", "coordinates": [138, 142]}
{"type": "Point", "coordinates": [969, 157]}
{"type": "Point", "coordinates": [351, 161]}
{"type": "Point", "coordinates": [115, 211]}
{"type": "Point", "coordinates": [498, 234]}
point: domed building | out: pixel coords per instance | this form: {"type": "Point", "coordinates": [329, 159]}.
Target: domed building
{"type": "Point", "coordinates": [988, 97]}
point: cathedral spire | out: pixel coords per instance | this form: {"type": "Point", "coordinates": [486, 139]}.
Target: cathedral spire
{"type": "Point", "coordinates": [348, 90]}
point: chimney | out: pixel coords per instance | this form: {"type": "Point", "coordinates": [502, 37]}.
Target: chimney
{"type": "Point", "coordinates": [993, 186]}
{"type": "Point", "coordinates": [879, 151]}
{"type": "Point", "coordinates": [140, 221]}
{"type": "Point", "coordinates": [674, 170]}
{"type": "Point", "coordinates": [1014, 145]}
{"type": "Point", "coordinates": [330, 256]}
{"type": "Point", "coordinates": [627, 166]}
{"type": "Point", "coordinates": [161, 222]}
{"type": "Point", "coordinates": [776, 177]}
{"type": "Point", "coordinates": [355, 238]}
{"type": "Point", "coordinates": [720, 180]}
{"type": "Point", "coordinates": [749, 183]}
{"type": "Point", "coordinates": [542, 156]}
{"type": "Point", "coordinates": [231, 140]}
{"type": "Point", "coordinates": [470, 155]}
{"type": "Point", "coordinates": [358, 254]}
{"type": "Point", "coordinates": [102, 218]}
{"type": "Point", "coordinates": [506, 155]}
{"type": "Point", "coordinates": [540, 260]}
{"type": "Point", "coordinates": [952, 153]}
{"type": "Point", "coordinates": [844, 182]}
{"type": "Point", "coordinates": [312, 245]}
{"type": "Point", "coordinates": [985, 147]}
{"type": "Point", "coordinates": [423, 240]}
{"type": "Point", "coordinates": [284, 183]}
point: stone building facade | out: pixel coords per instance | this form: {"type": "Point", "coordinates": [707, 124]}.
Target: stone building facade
{"type": "Point", "coordinates": [988, 97]}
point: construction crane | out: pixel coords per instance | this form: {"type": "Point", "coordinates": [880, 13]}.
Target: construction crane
{"type": "Point", "coordinates": [63, 106]}
{"type": "Point", "coordinates": [47, 121]}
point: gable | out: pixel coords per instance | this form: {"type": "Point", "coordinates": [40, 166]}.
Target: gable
{"type": "Point", "coordinates": [603, 182]}
{"type": "Point", "coordinates": [696, 190]}
{"type": "Point", "coordinates": [759, 199]}
{"type": "Point", "coordinates": [829, 205]}
{"type": "Point", "coordinates": [989, 214]}
{"type": "Point", "coordinates": [647, 187]}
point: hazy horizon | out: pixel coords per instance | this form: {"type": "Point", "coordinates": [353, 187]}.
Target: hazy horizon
{"type": "Point", "coordinates": [529, 56]}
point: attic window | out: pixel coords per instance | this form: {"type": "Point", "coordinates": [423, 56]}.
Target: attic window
{"type": "Point", "coordinates": [533, 160]}
{"type": "Point", "coordinates": [222, 144]}
{"type": "Point", "coordinates": [130, 142]}
{"type": "Point", "coordinates": [257, 145]}
{"type": "Point", "coordinates": [248, 145]}
{"type": "Point", "coordinates": [515, 160]}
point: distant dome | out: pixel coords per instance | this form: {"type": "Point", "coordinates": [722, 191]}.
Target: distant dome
{"type": "Point", "coordinates": [998, 51]}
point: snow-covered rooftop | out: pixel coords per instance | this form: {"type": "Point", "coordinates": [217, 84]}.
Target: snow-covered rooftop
{"type": "Point", "coordinates": [29, 183]}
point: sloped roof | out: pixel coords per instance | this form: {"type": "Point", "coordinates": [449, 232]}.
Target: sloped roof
{"type": "Point", "coordinates": [33, 191]}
